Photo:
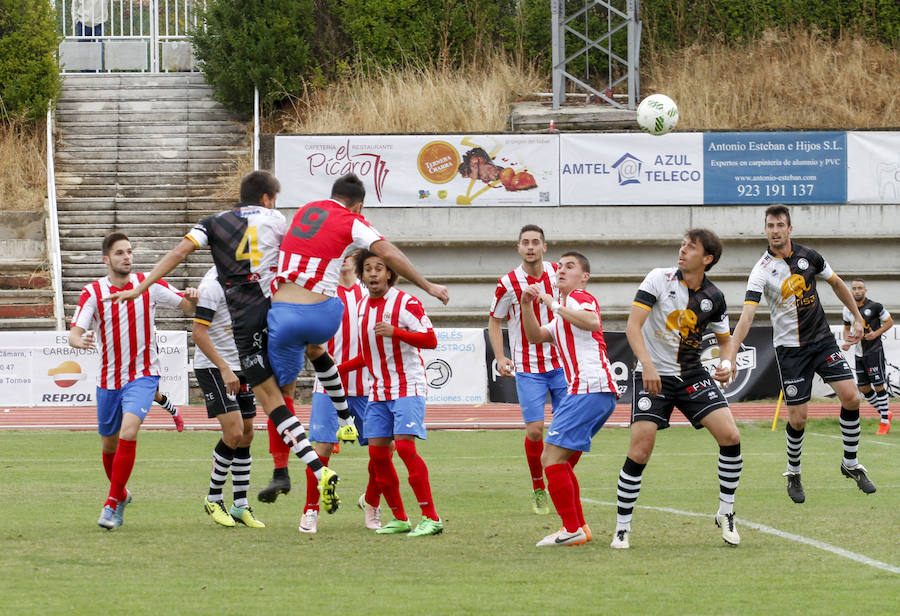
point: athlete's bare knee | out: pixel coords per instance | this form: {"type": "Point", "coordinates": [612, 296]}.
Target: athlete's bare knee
{"type": "Point", "coordinates": [535, 431]}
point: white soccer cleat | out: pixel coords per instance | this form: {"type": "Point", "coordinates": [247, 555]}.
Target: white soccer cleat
{"type": "Point", "coordinates": [373, 514]}
{"type": "Point", "coordinates": [564, 537]}
{"type": "Point", "coordinates": [729, 530]}
{"type": "Point", "coordinates": [309, 523]}
{"type": "Point", "coordinates": [620, 539]}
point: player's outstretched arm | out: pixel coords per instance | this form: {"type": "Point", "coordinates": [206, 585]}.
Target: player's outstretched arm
{"type": "Point", "coordinates": [505, 365]}
{"type": "Point", "coordinates": [741, 330]}
{"type": "Point", "coordinates": [582, 319]}
{"type": "Point", "coordinates": [843, 293]}
{"type": "Point", "coordinates": [652, 384]}
{"type": "Point", "coordinates": [169, 262]}
{"type": "Point", "coordinates": [401, 264]}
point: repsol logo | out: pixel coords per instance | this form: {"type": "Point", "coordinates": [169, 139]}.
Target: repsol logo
{"type": "Point", "coordinates": [61, 398]}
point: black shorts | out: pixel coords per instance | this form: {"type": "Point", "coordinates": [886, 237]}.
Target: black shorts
{"type": "Point", "coordinates": [695, 394]}
{"type": "Point", "coordinates": [217, 401]}
{"type": "Point", "coordinates": [797, 365]}
{"type": "Point", "coordinates": [251, 337]}
{"type": "Point", "coordinates": [870, 369]}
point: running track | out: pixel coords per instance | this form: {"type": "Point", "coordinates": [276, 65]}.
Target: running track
{"type": "Point", "coordinates": [438, 417]}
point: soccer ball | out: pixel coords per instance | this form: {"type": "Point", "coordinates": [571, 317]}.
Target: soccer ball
{"type": "Point", "coordinates": [657, 114]}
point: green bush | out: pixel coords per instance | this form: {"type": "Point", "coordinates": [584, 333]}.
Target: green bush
{"type": "Point", "coordinates": [29, 75]}
{"type": "Point", "coordinates": [262, 43]}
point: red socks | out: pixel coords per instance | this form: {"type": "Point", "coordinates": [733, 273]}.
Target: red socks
{"type": "Point", "coordinates": [312, 487]}
{"type": "Point", "coordinates": [533, 451]}
{"type": "Point", "coordinates": [418, 476]}
{"type": "Point", "coordinates": [373, 492]}
{"type": "Point", "coordinates": [281, 453]}
{"type": "Point", "coordinates": [121, 471]}
{"type": "Point", "coordinates": [108, 463]}
{"type": "Point", "coordinates": [387, 478]}
{"type": "Point", "coordinates": [562, 491]}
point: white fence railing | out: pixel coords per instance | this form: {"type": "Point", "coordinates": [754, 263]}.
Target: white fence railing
{"type": "Point", "coordinates": [127, 35]}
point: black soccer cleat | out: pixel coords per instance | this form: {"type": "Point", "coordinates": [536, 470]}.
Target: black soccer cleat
{"type": "Point", "coordinates": [278, 485]}
{"type": "Point", "coordinates": [858, 474]}
{"type": "Point", "coordinates": [794, 487]}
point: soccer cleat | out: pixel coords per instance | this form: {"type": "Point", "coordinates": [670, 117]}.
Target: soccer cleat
{"type": "Point", "coordinates": [245, 516]}
{"type": "Point", "coordinates": [587, 532]}
{"type": "Point", "coordinates": [540, 502]}
{"type": "Point", "coordinates": [120, 508]}
{"type": "Point", "coordinates": [108, 518]}
{"type": "Point", "coordinates": [427, 527]}
{"type": "Point", "coordinates": [794, 487]}
{"type": "Point", "coordinates": [394, 527]}
{"type": "Point", "coordinates": [885, 426]}
{"type": "Point", "coordinates": [179, 421]}
{"type": "Point", "coordinates": [348, 433]}
{"type": "Point", "coordinates": [309, 523]}
{"type": "Point", "coordinates": [373, 514]}
{"type": "Point", "coordinates": [278, 485]}
{"type": "Point", "coordinates": [620, 539]}
{"type": "Point", "coordinates": [336, 449]}
{"type": "Point", "coordinates": [218, 513]}
{"type": "Point", "coordinates": [328, 489]}
{"type": "Point", "coordinates": [729, 532]}
{"type": "Point", "coordinates": [858, 474]}
{"type": "Point", "coordinates": [563, 537]}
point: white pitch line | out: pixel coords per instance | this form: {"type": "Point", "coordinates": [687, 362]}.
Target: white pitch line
{"type": "Point", "coordinates": [868, 441]}
{"type": "Point", "coordinates": [860, 558]}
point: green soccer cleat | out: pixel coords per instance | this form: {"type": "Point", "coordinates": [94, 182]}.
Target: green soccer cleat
{"type": "Point", "coordinates": [395, 527]}
{"type": "Point", "coordinates": [348, 433]}
{"type": "Point", "coordinates": [327, 488]}
{"type": "Point", "coordinates": [540, 502]}
{"type": "Point", "coordinates": [218, 513]}
{"type": "Point", "coordinates": [245, 516]}
{"type": "Point", "coordinates": [427, 527]}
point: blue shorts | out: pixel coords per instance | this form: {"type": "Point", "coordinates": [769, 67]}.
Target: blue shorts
{"type": "Point", "coordinates": [135, 397]}
{"type": "Point", "coordinates": [292, 327]}
{"type": "Point", "coordinates": [386, 418]}
{"type": "Point", "coordinates": [323, 419]}
{"type": "Point", "coordinates": [533, 388]}
{"type": "Point", "coordinates": [578, 418]}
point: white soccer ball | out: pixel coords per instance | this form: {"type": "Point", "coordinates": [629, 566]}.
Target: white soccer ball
{"type": "Point", "coordinates": [657, 114]}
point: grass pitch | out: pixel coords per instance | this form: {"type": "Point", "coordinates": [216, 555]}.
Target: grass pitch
{"type": "Point", "coordinates": [170, 557]}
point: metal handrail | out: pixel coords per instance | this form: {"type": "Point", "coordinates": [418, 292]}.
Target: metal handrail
{"type": "Point", "coordinates": [55, 249]}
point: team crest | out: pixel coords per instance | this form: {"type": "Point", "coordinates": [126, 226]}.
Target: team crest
{"type": "Point", "coordinates": [802, 264]}
{"type": "Point", "coordinates": [706, 305]}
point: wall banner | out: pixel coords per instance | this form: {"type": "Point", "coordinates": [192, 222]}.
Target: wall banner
{"type": "Point", "coordinates": [455, 370]}
{"type": "Point", "coordinates": [41, 369]}
{"type": "Point", "coordinates": [873, 167]}
{"type": "Point", "coordinates": [422, 170]}
{"type": "Point", "coordinates": [793, 167]}
{"type": "Point", "coordinates": [631, 169]}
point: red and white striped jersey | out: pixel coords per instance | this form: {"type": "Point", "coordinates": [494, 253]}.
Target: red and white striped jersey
{"type": "Point", "coordinates": [125, 331]}
{"type": "Point", "coordinates": [345, 344]}
{"type": "Point", "coordinates": [396, 368]}
{"type": "Point", "coordinates": [588, 370]}
{"type": "Point", "coordinates": [531, 358]}
{"type": "Point", "coordinates": [321, 234]}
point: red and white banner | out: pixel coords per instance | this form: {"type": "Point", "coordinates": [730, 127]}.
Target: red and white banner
{"type": "Point", "coordinates": [422, 170]}
{"type": "Point", "coordinates": [41, 369]}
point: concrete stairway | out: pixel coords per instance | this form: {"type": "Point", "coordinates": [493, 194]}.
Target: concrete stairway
{"type": "Point", "coordinates": [140, 154]}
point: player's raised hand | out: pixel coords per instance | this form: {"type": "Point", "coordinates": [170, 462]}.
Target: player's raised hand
{"type": "Point", "coordinates": [191, 294]}
{"type": "Point", "coordinates": [124, 296]}
{"type": "Point", "coordinates": [439, 291]}
{"type": "Point", "coordinates": [532, 292]}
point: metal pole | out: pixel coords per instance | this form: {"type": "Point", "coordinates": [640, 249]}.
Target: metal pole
{"type": "Point", "coordinates": [634, 52]}
{"type": "Point", "coordinates": [558, 53]}
{"type": "Point", "coordinates": [255, 128]}
{"type": "Point", "coordinates": [55, 256]}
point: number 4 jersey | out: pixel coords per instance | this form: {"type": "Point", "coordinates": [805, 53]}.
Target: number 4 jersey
{"type": "Point", "coordinates": [320, 236]}
{"type": "Point", "coordinates": [244, 244]}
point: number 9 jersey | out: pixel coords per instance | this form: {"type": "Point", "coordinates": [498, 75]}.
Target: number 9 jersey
{"type": "Point", "coordinates": [320, 236]}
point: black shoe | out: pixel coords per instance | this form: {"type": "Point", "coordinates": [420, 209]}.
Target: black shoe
{"type": "Point", "coordinates": [858, 474]}
{"type": "Point", "coordinates": [794, 487]}
{"type": "Point", "coordinates": [280, 484]}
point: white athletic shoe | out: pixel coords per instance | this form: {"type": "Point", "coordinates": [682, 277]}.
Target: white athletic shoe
{"type": "Point", "coordinates": [620, 539]}
{"type": "Point", "coordinates": [563, 537]}
{"type": "Point", "coordinates": [729, 530]}
{"type": "Point", "coordinates": [309, 523]}
{"type": "Point", "coordinates": [373, 514]}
